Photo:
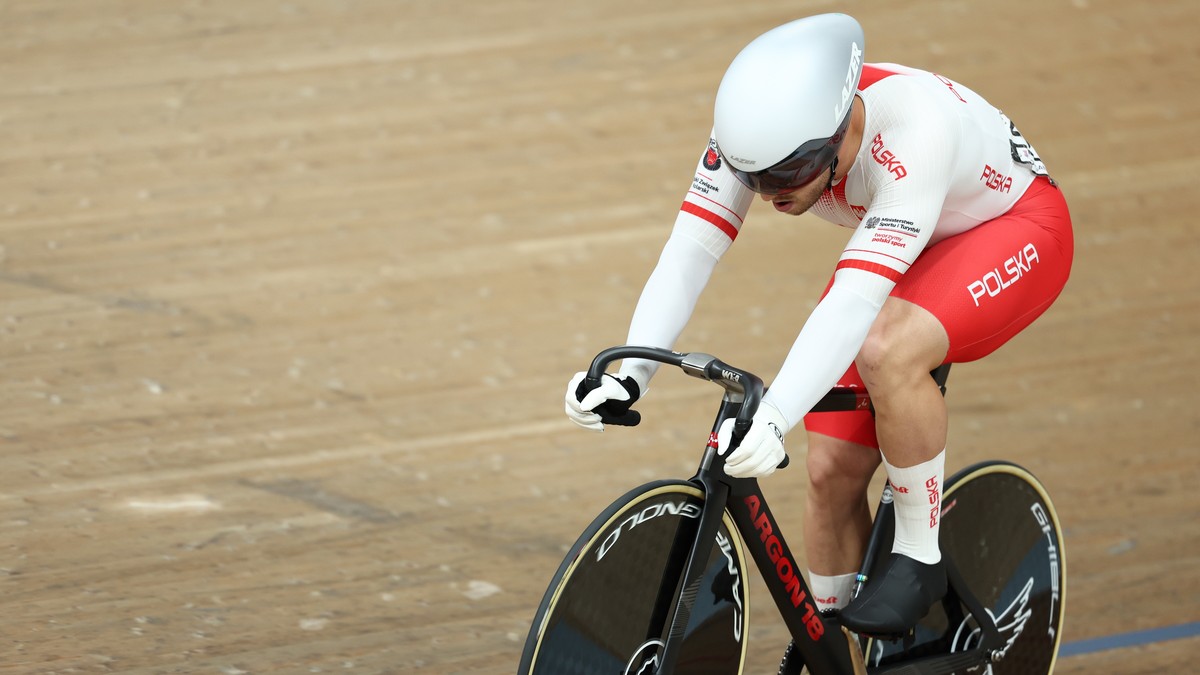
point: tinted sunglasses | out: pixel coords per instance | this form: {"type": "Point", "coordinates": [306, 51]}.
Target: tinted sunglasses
{"type": "Point", "coordinates": [796, 170]}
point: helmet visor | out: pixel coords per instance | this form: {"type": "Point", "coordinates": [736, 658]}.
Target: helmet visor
{"type": "Point", "coordinates": [804, 165]}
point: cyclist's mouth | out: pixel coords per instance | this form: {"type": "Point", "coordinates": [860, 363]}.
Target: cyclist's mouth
{"type": "Point", "coordinates": [783, 205]}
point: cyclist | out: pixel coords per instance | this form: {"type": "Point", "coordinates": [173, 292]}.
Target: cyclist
{"type": "Point", "coordinates": [959, 240]}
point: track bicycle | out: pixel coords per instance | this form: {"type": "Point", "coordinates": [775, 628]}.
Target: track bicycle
{"type": "Point", "coordinates": [657, 583]}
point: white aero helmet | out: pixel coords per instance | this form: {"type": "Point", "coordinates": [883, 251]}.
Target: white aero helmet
{"type": "Point", "coordinates": [784, 104]}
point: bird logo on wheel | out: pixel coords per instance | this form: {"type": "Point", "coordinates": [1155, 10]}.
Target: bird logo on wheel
{"type": "Point", "coordinates": [1010, 622]}
{"type": "Point", "coordinates": [645, 659]}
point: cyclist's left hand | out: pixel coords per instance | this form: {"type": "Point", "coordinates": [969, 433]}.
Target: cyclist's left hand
{"type": "Point", "coordinates": [761, 451]}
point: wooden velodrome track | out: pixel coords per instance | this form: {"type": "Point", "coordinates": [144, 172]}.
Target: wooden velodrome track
{"type": "Point", "coordinates": [290, 292]}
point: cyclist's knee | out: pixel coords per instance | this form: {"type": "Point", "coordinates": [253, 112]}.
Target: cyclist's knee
{"type": "Point", "coordinates": [905, 341]}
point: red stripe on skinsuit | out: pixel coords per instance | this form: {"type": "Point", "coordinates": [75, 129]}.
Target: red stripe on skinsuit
{"type": "Point", "coordinates": [871, 75]}
{"type": "Point", "coordinates": [701, 212]}
{"type": "Point", "coordinates": [882, 270]}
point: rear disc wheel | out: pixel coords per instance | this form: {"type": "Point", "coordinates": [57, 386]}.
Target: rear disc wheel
{"type": "Point", "coordinates": [1001, 530]}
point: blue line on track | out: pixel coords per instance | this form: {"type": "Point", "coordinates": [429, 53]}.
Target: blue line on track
{"type": "Point", "coordinates": [1134, 639]}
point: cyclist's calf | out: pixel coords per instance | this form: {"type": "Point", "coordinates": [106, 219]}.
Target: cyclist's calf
{"type": "Point", "coordinates": [837, 516]}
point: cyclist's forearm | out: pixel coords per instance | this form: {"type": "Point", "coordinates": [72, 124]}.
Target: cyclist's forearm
{"type": "Point", "coordinates": [667, 301]}
{"type": "Point", "coordinates": [825, 348]}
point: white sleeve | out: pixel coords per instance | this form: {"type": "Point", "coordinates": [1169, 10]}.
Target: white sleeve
{"type": "Point", "coordinates": [667, 301]}
{"type": "Point", "coordinates": [828, 343]}
{"type": "Point", "coordinates": [707, 223]}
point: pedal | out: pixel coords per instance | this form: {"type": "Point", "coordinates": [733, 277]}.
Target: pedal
{"type": "Point", "coordinates": [909, 637]}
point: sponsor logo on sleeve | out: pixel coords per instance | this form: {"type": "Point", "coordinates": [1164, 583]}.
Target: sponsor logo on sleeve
{"type": "Point", "coordinates": [888, 239]}
{"type": "Point", "coordinates": [994, 180]}
{"type": "Point", "coordinates": [712, 158]}
{"type": "Point", "coordinates": [702, 186]}
{"type": "Point", "coordinates": [893, 240]}
{"type": "Point", "coordinates": [885, 158]}
{"type": "Point", "coordinates": [892, 232]}
{"type": "Point", "coordinates": [900, 225]}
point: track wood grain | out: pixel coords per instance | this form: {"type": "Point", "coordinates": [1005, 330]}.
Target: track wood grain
{"type": "Point", "coordinates": [289, 293]}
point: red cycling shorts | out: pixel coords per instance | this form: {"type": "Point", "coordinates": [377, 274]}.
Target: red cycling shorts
{"type": "Point", "coordinates": [984, 285]}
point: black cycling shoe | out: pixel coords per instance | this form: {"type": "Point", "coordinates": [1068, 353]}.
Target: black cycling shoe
{"type": "Point", "coordinates": [892, 603]}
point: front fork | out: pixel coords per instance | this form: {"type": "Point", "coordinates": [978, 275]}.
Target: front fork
{"type": "Point", "coordinates": [716, 495]}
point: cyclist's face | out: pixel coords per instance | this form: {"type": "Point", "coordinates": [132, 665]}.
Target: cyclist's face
{"type": "Point", "coordinates": [802, 198]}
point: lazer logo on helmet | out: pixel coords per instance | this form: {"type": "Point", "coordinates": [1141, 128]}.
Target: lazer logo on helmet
{"type": "Point", "coordinates": [851, 82]}
{"type": "Point", "coordinates": [995, 281]}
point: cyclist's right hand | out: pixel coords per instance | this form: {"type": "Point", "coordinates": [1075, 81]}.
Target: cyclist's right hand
{"type": "Point", "coordinates": [761, 451]}
{"type": "Point", "coordinates": [610, 402]}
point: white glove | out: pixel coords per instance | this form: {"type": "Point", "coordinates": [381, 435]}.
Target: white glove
{"type": "Point", "coordinates": [762, 449]}
{"type": "Point", "coordinates": [610, 389]}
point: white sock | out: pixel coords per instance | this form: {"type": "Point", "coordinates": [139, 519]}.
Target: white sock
{"type": "Point", "coordinates": [918, 494]}
{"type": "Point", "coordinates": [831, 592]}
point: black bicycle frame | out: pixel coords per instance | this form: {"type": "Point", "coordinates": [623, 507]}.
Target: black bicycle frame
{"type": "Point", "coordinates": [825, 648]}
